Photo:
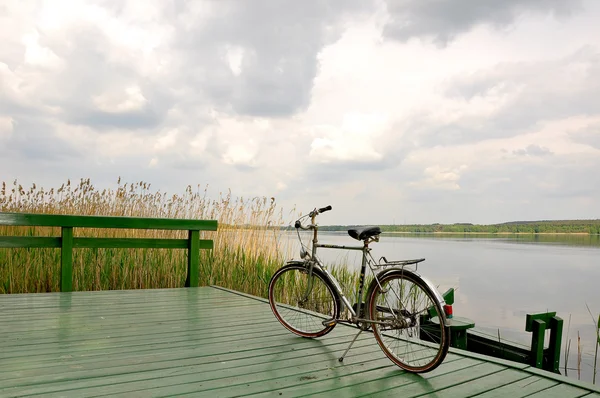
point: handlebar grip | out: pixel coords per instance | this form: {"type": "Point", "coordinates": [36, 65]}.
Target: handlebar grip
{"type": "Point", "coordinates": [324, 209]}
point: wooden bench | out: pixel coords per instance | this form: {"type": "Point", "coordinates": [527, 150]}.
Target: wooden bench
{"type": "Point", "coordinates": [457, 325]}
{"type": "Point", "coordinates": [66, 242]}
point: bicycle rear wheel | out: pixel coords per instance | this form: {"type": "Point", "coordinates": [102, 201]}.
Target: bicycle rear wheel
{"type": "Point", "coordinates": [302, 302]}
{"type": "Point", "coordinates": [401, 304]}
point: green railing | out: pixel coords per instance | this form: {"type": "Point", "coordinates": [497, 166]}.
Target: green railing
{"type": "Point", "coordinates": [67, 242]}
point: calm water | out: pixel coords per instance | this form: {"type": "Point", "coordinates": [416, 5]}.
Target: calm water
{"type": "Point", "coordinates": [498, 280]}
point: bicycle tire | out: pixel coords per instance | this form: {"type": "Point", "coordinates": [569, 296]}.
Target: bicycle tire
{"type": "Point", "coordinates": [305, 319]}
{"type": "Point", "coordinates": [429, 341]}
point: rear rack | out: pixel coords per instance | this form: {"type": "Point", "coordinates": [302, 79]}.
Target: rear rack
{"type": "Point", "coordinates": [383, 262]}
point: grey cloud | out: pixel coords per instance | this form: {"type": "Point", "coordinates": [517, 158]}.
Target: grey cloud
{"type": "Point", "coordinates": [34, 138]}
{"type": "Point", "coordinates": [533, 150]}
{"type": "Point", "coordinates": [128, 120]}
{"type": "Point", "coordinates": [511, 190]}
{"type": "Point", "coordinates": [565, 176]}
{"type": "Point", "coordinates": [89, 72]}
{"type": "Point", "coordinates": [443, 20]}
{"type": "Point", "coordinates": [280, 42]}
{"type": "Point", "coordinates": [588, 136]}
{"type": "Point", "coordinates": [532, 93]}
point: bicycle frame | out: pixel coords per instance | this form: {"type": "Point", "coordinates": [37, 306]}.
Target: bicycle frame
{"type": "Point", "coordinates": [335, 282]}
{"type": "Point", "coordinates": [365, 249]}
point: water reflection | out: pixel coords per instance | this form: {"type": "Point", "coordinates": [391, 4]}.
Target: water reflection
{"type": "Point", "coordinates": [582, 240]}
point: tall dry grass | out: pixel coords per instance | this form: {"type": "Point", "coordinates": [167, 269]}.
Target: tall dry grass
{"type": "Point", "coordinates": [247, 244]}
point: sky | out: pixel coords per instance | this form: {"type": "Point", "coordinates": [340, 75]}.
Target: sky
{"type": "Point", "coordinates": [391, 111]}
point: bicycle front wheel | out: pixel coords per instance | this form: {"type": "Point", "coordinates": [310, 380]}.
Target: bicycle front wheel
{"type": "Point", "coordinates": [302, 302]}
{"type": "Point", "coordinates": [400, 305]}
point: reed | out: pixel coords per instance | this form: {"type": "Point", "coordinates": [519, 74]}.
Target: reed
{"type": "Point", "coordinates": [597, 344]}
{"type": "Point", "coordinates": [247, 244]}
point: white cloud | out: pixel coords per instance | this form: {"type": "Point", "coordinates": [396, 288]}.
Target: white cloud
{"type": "Point", "coordinates": [235, 57]}
{"type": "Point", "coordinates": [126, 100]}
{"type": "Point", "coordinates": [352, 141]}
{"type": "Point", "coordinates": [6, 127]}
{"type": "Point", "coordinates": [167, 141]}
{"type": "Point", "coordinates": [37, 55]}
{"type": "Point", "coordinates": [439, 178]}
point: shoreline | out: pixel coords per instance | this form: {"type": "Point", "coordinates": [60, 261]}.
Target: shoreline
{"type": "Point", "coordinates": [488, 233]}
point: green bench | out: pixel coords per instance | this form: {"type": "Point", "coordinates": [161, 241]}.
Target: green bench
{"type": "Point", "coordinates": [66, 242]}
{"type": "Point", "coordinates": [457, 325]}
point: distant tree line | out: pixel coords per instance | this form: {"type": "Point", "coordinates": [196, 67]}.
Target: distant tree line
{"type": "Point", "coordinates": [532, 227]}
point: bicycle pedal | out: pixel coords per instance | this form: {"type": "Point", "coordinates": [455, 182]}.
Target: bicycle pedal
{"type": "Point", "coordinates": [329, 322]}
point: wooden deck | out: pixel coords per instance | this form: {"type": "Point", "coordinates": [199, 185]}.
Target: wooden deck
{"type": "Point", "coordinates": [212, 342]}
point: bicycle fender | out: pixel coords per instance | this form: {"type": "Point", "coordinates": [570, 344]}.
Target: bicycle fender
{"type": "Point", "coordinates": [427, 282]}
{"type": "Point", "coordinates": [295, 262]}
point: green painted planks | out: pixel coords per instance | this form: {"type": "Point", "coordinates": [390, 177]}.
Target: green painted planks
{"type": "Point", "coordinates": [521, 388]}
{"type": "Point", "coordinates": [362, 383]}
{"type": "Point", "coordinates": [560, 391]}
{"type": "Point", "coordinates": [212, 342]}
{"type": "Point", "coordinates": [101, 243]}
{"type": "Point", "coordinates": [77, 369]}
{"type": "Point", "coordinates": [28, 242]}
{"type": "Point", "coordinates": [211, 372]}
{"type": "Point", "coordinates": [192, 277]}
{"type": "Point", "coordinates": [66, 259]}
{"type": "Point", "coordinates": [55, 220]}
{"type": "Point", "coordinates": [482, 384]}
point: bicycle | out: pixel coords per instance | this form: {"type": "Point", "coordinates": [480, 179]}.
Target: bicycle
{"type": "Point", "coordinates": [307, 300]}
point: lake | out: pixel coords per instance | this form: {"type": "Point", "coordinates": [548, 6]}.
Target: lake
{"type": "Point", "coordinates": [499, 279]}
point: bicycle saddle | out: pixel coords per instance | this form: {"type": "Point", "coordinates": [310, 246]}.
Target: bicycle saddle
{"type": "Point", "coordinates": [364, 232]}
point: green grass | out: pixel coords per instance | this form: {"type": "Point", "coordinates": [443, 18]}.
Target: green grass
{"type": "Point", "coordinates": [247, 247]}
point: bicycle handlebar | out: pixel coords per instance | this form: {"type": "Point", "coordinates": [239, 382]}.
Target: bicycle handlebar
{"type": "Point", "coordinates": [312, 214]}
{"type": "Point", "coordinates": [324, 209]}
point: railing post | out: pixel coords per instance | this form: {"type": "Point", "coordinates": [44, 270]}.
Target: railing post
{"type": "Point", "coordinates": [538, 328]}
{"type": "Point", "coordinates": [193, 259]}
{"type": "Point", "coordinates": [66, 260]}
{"type": "Point", "coordinates": [556, 326]}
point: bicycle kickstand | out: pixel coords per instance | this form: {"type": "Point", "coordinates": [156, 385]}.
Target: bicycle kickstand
{"type": "Point", "coordinates": [341, 359]}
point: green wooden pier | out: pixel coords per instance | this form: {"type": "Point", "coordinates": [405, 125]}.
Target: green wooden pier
{"type": "Point", "coordinates": [208, 341]}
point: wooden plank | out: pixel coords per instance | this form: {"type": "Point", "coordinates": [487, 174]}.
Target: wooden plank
{"type": "Point", "coordinates": [29, 242]}
{"type": "Point", "coordinates": [364, 383]}
{"type": "Point", "coordinates": [428, 383]}
{"type": "Point", "coordinates": [255, 347]}
{"type": "Point", "coordinates": [133, 243]}
{"type": "Point", "coordinates": [521, 388]}
{"type": "Point", "coordinates": [204, 352]}
{"type": "Point", "coordinates": [101, 243]}
{"type": "Point", "coordinates": [140, 378]}
{"type": "Point", "coordinates": [57, 220]}
{"type": "Point", "coordinates": [563, 379]}
{"type": "Point", "coordinates": [193, 259]}
{"type": "Point", "coordinates": [560, 391]}
{"type": "Point", "coordinates": [66, 260]}
{"type": "Point", "coordinates": [212, 342]}
{"type": "Point", "coordinates": [482, 384]}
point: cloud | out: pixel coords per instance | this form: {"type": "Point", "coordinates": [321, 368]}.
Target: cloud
{"type": "Point", "coordinates": [511, 99]}
{"type": "Point", "coordinates": [6, 127]}
{"type": "Point", "coordinates": [33, 138]}
{"type": "Point", "coordinates": [533, 150]}
{"type": "Point", "coordinates": [312, 102]}
{"type": "Point", "coordinates": [263, 59]}
{"type": "Point", "coordinates": [443, 20]}
{"type": "Point", "coordinates": [589, 135]}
